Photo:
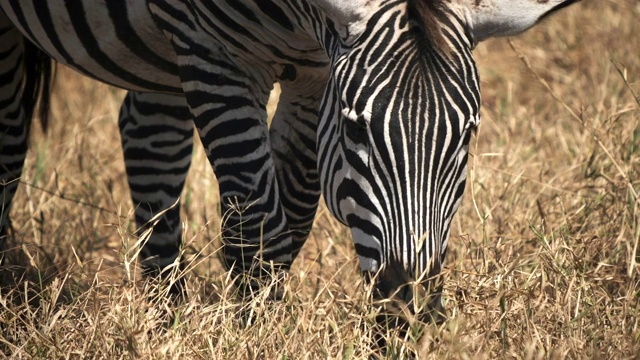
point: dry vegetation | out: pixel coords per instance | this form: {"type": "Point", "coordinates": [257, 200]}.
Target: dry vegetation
{"type": "Point", "coordinates": [543, 253]}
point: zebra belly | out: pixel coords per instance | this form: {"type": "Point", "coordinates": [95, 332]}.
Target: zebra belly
{"type": "Point", "coordinates": [116, 42]}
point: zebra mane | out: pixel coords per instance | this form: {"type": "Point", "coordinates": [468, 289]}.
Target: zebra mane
{"type": "Point", "coordinates": [429, 14]}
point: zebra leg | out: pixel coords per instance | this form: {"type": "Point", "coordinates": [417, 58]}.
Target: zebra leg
{"type": "Point", "coordinates": [293, 146]}
{"type": "Point", "coordinates": [13, 121]}
{"type": "Point", "coordinates": [25, 77]}
{"type": "Point", "coordinates": [157, 140]}
{"type": "Point", "coordinates": [231, 118]}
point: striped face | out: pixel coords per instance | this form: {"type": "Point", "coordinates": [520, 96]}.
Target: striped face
{"type": "Point", "coordinates": [396, 120]}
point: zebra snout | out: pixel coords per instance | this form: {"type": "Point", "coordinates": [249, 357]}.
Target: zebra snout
{"type": "Point", "coordinates": [407, 299]}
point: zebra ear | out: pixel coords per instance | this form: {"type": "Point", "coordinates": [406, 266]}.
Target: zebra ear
{"type": "Point", "coordinates": [343, 12]}
{"type": "Point", "coordinates": [487, 18]}
{"type": "Point", "coordinates": [347, 16]}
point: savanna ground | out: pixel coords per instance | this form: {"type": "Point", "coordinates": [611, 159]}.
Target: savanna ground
{"type": "Point", "coordinates": [542, 259]}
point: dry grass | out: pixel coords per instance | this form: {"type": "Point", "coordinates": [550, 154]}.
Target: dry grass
{"type": "Point", "coordinates": [543, 252]}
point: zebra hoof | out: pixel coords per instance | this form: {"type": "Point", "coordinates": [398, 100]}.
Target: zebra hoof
{"type": "Point", "coordinates": [250, 287]}
{"type": "Point", "coordinates": [257, 295]}
{"type": "Point", "coordinates": [178, 291]}
{"type": "Point", "coordinates": [170, 284]}
{"type": "Point", "coordinates": [4, 239]}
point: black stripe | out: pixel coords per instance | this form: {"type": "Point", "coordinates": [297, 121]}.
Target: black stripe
{"type": "Point", "coordinates": [92, 47]}
{"type": "Point", "coordinates": [273, 11]}
{"type": "Point", "coordinates": [127, 35]}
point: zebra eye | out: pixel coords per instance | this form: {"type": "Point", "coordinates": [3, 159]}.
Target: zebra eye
{"type": "Point", "coordinates": [471, 127]}
{"type": "Point", "coordinates": [355, 125]}
{"type": "Point", "coordinates": [356, 129]}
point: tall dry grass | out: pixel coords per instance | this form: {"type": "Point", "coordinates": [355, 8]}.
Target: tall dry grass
{"type": "Point", "coordinates": [543, 253]}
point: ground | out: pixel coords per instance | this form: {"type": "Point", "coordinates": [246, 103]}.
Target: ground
{"type": "Point", "coordinates": [543, 254]}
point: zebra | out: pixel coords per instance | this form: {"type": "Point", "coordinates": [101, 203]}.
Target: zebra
{"type": "Point", "coordinates": [379, 100]}
{"type": "Point", "coordinates": [157, 161]}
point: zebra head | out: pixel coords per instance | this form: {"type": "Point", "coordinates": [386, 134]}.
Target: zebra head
{"type": "Point", "coordinates": [398, 112]}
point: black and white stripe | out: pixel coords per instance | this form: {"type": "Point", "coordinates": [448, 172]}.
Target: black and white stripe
{"type": "Point", "coordinates": [378, 103]}
{"type": "Point", "coordinates": [393, 165]}
{"type": "Point", "coordinates": [157, 141]}
{"type": "Point", "coordinates": [122, 45]}
{"type": "Point", "coordinates": [20, 84]}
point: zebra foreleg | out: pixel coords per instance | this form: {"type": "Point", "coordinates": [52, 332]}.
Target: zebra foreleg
{"type": "Point", "coordinates": [293, 146]}
{"type": "Point", "coordinates": [231, 118]}
{"type": "Point", "coordinates": [157, 140]}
